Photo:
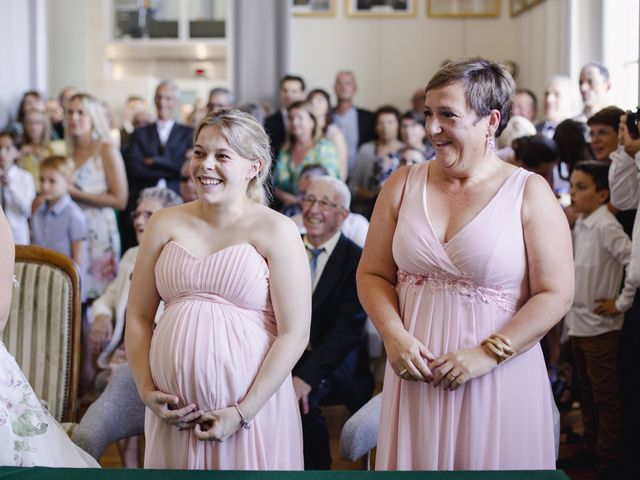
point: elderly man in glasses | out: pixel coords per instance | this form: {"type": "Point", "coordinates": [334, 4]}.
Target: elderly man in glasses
{"type": "Point", "coordinates": [335, 366]}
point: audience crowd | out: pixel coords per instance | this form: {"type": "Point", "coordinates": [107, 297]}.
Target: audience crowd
{"type": "Point", "coordinates": [73, 181]}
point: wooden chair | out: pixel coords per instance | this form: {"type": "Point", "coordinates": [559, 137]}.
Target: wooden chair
{"type": "Point", "coordinates": [43, 331]}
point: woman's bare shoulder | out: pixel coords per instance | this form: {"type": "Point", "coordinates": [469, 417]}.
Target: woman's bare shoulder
{"type": "Point", "coordinates": [269, 228]}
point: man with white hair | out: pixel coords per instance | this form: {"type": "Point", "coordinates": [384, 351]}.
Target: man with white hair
{"type": "Point", "coordinates": [335, 366]}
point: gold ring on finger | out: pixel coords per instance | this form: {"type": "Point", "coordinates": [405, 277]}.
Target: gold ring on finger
{"type": "Point", "coordinates": [403, 372]}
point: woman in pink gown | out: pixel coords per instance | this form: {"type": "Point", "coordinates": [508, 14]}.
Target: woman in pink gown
{"type": "Point", "coordinates": [215, 374]}
{"type": "Point", "coordinates": [467, 264]}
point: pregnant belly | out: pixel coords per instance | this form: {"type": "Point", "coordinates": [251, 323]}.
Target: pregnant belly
{"type": "Point", "coordinates": [207, 354]}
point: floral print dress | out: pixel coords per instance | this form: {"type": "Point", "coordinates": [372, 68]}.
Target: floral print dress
{"type": "Point", "coordinates": [104, 239]}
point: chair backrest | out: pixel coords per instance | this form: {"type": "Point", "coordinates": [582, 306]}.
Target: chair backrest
{"type": "Point", "coordinates": [43, 330]}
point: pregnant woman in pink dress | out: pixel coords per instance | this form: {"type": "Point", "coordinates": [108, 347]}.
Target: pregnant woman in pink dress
{"type": "Point", "coordinates": [215, 374]}
{"type": "Point", "coordinates": [467, 264]}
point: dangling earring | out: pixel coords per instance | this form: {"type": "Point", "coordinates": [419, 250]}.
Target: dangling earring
{"type": "Point", "coordinates": [491, 144]}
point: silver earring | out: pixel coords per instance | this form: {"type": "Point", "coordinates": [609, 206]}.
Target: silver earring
{"type": "Point", "coordinates": [491, 144]}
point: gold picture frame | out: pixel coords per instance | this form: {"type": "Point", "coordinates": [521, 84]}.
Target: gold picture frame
{"type": "Point", "coordinates": [382, 8]}
{"type": "Point", "coordinates": [313, 8]}
{"type": "Point", "coordinates": [463, 8]}
{"type": "Point", "coordinates": [518, 6]}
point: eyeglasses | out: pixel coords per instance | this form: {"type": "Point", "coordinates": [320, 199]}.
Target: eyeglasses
{"type": "Point", "coordinates": [309, 200]}
{"type": "Point", "coordinates": [141, 213]}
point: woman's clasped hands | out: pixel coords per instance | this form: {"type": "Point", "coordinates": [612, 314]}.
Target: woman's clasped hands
{"type": "Point", "coordinates": [412, 361]}
{"type": "Point", "coordinates": [214, 425]}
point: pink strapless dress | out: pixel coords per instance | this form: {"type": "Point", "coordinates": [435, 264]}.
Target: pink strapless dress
{"type": "Point", "coordinates": [451, 297]}
{"type": "Point", "coordinates": [216, 329]}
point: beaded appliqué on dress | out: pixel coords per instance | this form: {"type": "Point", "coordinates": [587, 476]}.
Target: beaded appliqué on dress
{"type": "Point", "coordinates": [468, 289]}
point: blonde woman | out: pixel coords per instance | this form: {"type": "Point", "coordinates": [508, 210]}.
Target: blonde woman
{"type": "Point", "coordinates": [100, 186]}
{"type": "Point", "coordinates": [215, 373]}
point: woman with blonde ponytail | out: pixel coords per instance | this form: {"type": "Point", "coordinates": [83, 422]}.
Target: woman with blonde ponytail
{"type": "Point", "coordinates": [215, 373]}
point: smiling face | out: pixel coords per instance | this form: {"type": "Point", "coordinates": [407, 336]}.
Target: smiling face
{"type": "Point", "coordinates": [142, 213]}
{"type": "Point", "coordinates": [78, 118]}
{"type": "Point", "coordinates": [219, 173]}
{"type": "Point", "coordinates": [454, 129]}
{"type": "Point", "coordinates": [604, 141]}
{"type": "Point", "coordinates": [301, 124]}
{"type": "Point", "coordinates": [322, 212]}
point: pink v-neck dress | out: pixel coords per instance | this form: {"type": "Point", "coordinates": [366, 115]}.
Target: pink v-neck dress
{"type": "Point", "coordinates": [216, 329]}
{"type": "Point", "coordinates": [452, 297]}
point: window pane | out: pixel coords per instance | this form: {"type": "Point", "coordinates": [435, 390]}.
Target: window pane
{"type": "Point", "coordinates": [207, 18]}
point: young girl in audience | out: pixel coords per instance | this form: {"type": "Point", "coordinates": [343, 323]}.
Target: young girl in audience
{"type": "Point", "coordinates": [17, 190]}
{"type": "Point", "coordinates": [602, 250]}
{"type": "Point", "coordinates": [58, 223]}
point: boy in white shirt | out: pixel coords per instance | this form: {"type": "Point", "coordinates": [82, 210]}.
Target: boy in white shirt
{"type": "Point", "coordinates": [17, 190]}
{"type": "Point", "coordinates": [602, 250]}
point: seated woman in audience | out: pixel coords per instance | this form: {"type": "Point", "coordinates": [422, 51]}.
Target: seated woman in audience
{"type": "Point", "coordinates": [99, 187]}
{"type": "Point", "coordinates": [17, 190]}
{"type": "Point", "coordinates": [37, 144]}
{"type": "Point", "coordinates": [304, 145]}
{"type": "Point", "coordinates": [321, 105]}
{"type": "Point", "coordinates": [215, 374]}
{"type": "Point", "coordinates": [108, 311]}
{"type": "Point", "coordinates": [412, 134]}
{"type": "Point", "coordinates": [364, 184]}
{"type": "Point", "coordinates": [28, 433]}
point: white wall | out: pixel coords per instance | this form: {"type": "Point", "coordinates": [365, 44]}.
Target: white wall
{"type": "Point", "coordinates": [20, 50]}
{"type": "Point", "coordinates": [391, 57]}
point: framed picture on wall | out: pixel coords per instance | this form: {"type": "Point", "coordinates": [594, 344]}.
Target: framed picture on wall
{"type": "Point", "coordinates": [313, 8]}
{"type": "Point", "coordinates": [463, 8]}
{"type": "Point", "coordinates": [519, 6]}
{"type": "Point", "coordinates": [381, 8]}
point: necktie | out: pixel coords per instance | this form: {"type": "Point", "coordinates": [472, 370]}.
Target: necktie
{"type": "Point", "coordinates": [313, 261]}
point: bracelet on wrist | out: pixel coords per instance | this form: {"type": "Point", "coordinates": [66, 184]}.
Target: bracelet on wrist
{"type": "Point", "coordinates": [243, 422]}
{"type": "Point", "coordinates": [500, 346]}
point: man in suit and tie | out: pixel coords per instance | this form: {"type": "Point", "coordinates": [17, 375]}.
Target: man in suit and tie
{"type": "Point", "coordinates": [357, 124]}
{"type": "Point", "coordinates": [291, 90]}
{"type": "Point", "coordinates": [335, 366]}
{"type": "Point", "coordinates": [156, 153]}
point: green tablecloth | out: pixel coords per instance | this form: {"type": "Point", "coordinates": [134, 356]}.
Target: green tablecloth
{"type": "Point", "coordinates": [40, 473]}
